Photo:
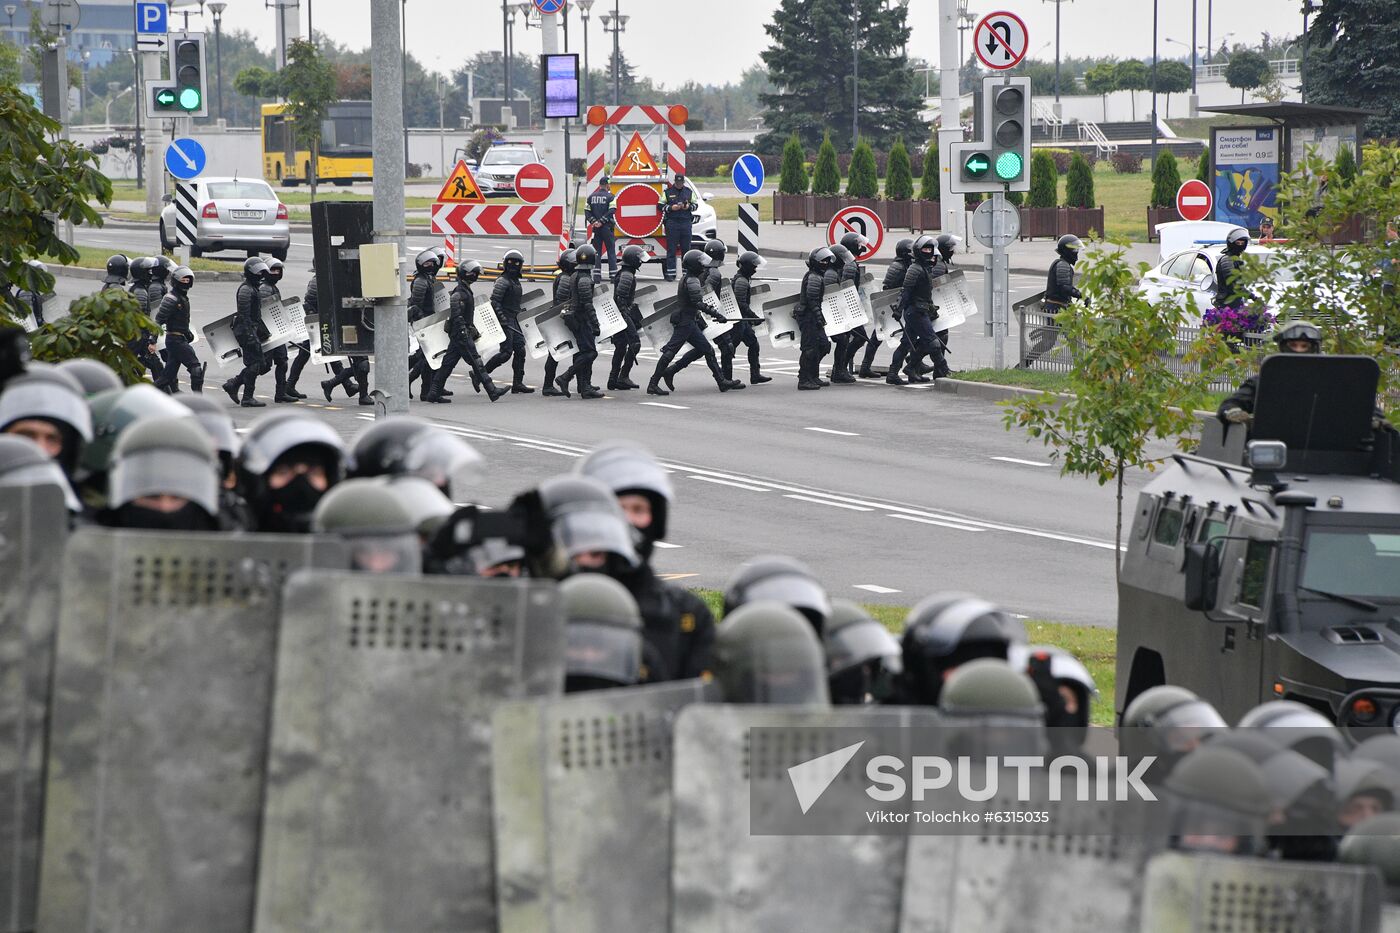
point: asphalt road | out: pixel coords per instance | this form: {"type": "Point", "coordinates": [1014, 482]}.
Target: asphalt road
{"type": "Point", "coordinates": [889, 493]}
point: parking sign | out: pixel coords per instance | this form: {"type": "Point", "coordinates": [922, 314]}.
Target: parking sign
{"type": "Point", "coordinates": [152, 18]}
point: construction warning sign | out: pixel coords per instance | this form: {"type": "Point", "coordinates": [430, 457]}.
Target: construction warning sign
{"type": "Point", "coordinates": [636, 161]}
{"type": "Point", "coordinates": [461, 188]}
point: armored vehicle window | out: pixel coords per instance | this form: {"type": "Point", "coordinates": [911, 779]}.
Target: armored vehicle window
{"type": "Point", "coordinates": [1168, 527]}
{"type": "Point", "coordinates": [1213, 528]}
{"type": "Point", "coordinates": [1353, 562]}
{"type": "Point", "coordinates": [1254, 578]}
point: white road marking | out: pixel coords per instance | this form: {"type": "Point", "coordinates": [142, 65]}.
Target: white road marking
{"type": "Point", "coordinates": [1035, 463]}
{"type": "Point", "coordinates": [839, 505]}
{"type": "Point", "coordinates": [666, 405]}
{"type": "Point", "coordinates": [726, 482]}
{"type": "Point", "coordinates": [933, 521]}
{"type": "Point", "coordinates": [666, 544]}
{"type": "Point", "coordinates": [872, 588]}
{"type": "Point", "coordinates": [830, 431]}
{"type": "Point", "coordinates": [550, 450]}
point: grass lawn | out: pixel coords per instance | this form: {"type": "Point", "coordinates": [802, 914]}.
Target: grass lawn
{"type": "Point", "coordinates": [91, 257]}
{"type": "Point", "coordinates": [1096, 647]}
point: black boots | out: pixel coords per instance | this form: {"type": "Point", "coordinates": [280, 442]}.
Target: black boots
{"type": "Point", "coordinates": [807, 365]}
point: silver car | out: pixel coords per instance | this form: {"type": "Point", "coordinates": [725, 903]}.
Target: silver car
{"type": "Point", "coordinates": [499, 166]}
{"type": "Point", "coordinates": [234, 214]}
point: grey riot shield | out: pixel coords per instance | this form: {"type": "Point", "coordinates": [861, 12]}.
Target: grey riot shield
{"type": "Point", "coordinates": [284, 321]}
{"type": "Point", "coordinates": [645, 298]}
{"type": "Point", "coordinates": [657, 325]}
{"type": "Point", "coordinates": [490, 334]}
{"type": "Point", "coordinates": [756, 293]}
{"type": "Point", "coordinates": [582, 800]}
{"type": "Point", "coordinates": [33, 530]}
{"type": "Point", "coordinates": [842, 310]}
{"type": "Point", "coordinates": [432, 337]}
{"type": "Point", "coordinates": [158, 737]}
{"type": "Point", "coordinates": [782, 326]}
{"type": "Point", "coordinates": [610, 320]}
{"type": "Point", "coordinates": [725, 876]}
{"type": "Point", "coordinates": [546, 334]}
{"type": "Point", "coordinates": [715, 329]}
{"type": "Point", "coordinates": [953, 296]}
{"type": "Point", "coordinates": [1199, 893]}
{"type": "Point", "coordinates": [313, 330]}
{"type": "Point", "coordinates": [378, 808]}
{"type": "Point", "coordinates": [888, 328]}
{"type": "Point", "coordinates": [533, 303]}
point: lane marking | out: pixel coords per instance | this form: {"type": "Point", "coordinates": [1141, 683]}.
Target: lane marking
{"type": "Point", "coordinates": [676, 576]}
{"type": "Point", "coordinates": [831, 431]}
{"type": "Point", "coordinates": [873, 588]}
{"type": "Point", "coordinates": [839, 505]}
{"type": "Point", "coordinates": [934, 521]}
{"type": "Point", "coordinates": [667, 545]}
{"type": "Point", "coordinates": [550, 450]}
{"type": "Point", "coordinates": [726, 482]}
{"type": "Point", "coordinates": [666, 405]}
{"type": "Point", "coordinates": [1034, 463]}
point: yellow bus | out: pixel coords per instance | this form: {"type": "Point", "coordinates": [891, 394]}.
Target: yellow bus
{"type": "Point", "coordinates": [346, 146]}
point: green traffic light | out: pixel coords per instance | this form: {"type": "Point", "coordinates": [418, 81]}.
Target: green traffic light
{"type": "Point", "coordinates": [189, 98]}
{"type": "Point", "coordinates": [165, 97]}
{"type": "Point", "coordinates": [1009, 166]}
{"type": "Point", "coordinates": [976, 165]}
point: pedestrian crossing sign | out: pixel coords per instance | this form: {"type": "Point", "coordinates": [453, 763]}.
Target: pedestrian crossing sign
{"type": "Point", "coordinates": [636, 161]}
{"type": "Point", "coordinates": [461, 187]}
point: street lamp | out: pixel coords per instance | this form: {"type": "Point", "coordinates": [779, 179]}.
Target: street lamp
{"type": "Point", "coordinates": [966, 20]}
{"type": "Point", "coordinates": [86, 55]}
{"type": "Point", "coordinates": [583, 7]}
{"type": "Point", "coordinates": [508, 31]}
{"type": "Point", "coordinates": [616, 24]}
{"type": "Point", "coordinates": [1057, 47]}
{"type": "Point", "coordinates": [1154, 82]}
{"type": "Point", "coordinates": [1192, 50]}
{"type": "Point", "coordinates": [403, 31]}
{"type": "Point", "coordinates": [1308, 10]}
{"type": "Point", "coordinates": [855, 74]}
{"type": "Point", "coordinates": [218, 10]}
{"type": "Point", "coordinates": [10, 10]}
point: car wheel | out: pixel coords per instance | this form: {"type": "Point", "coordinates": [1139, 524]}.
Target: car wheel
{"type": "Point", "coordinates": [196, 252]}
{"type": "Point", "coordinates": [165, 243]}
{"type": "Point", "coordinates": [280, 255]}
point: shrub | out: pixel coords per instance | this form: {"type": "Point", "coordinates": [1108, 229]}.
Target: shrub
{"type": "Point", "coordinates": [722, 169]}
{"type": "Point", "coordinates": [1203, 166]}
{"type": "Point", "coordinates": [793, 178]}
{"type": "Point", "coordinates": [1061, 158]}
{"type": "Point", "coordinates": [1125, 163]}
{"type": "Point", "coordinates": [1346, 166]}
{"type": "Point", "coordinates": [826, 178]}
{"type": "Point", "coordinates": [1166, 179]}
{"type": "Point", "coordinates": [1016, 197]}
{"type": "Point", "coordinates": [1079, 184]}
{"type": "Point", "coordinates": [863, 181]}
{"type": "Point", "coordinates": [1044, 180]}
{"type": "Point", "coordinates": [928, 184]}
{"type": "Point", "coordinates": [899, 182]}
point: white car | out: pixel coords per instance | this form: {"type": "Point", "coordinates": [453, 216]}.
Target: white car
{"type": "Point", "coordinates": [499, 166]}
{"type": "Point", "coordinates": [1188, 276]}
{"type": "Point", "coordinates": [233, 214]}
{"type": "Point", "coordinates": [705, 224]}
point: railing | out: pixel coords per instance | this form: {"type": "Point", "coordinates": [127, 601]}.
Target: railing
{"type": "Point", "coordinates": [1282, 67]}
{"type": "Point", "coordinates": [1054, 125]}
{"type": "Point", "coordinates": [1089, 132]}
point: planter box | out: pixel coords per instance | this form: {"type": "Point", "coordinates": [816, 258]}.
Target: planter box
{"type": "Point", "coordinates": [789, 207]}
{"type": "Point", "coordinates": [1159, 215]}
{"type": "Point", "coordinates": [820, 209]}
{"type": "Point", "coordinates": [1081, 221]}
{"type": "Point", "coordinates": [899, 214]}
{"type": "Point", "coordinates": [1055, 222]}
{"type": "Point", "coordinates": [1039, 221]}
{"type": "Point", "coordinates": [1353, 231]}
{"type": "Point", "coordinates": [926, 215]}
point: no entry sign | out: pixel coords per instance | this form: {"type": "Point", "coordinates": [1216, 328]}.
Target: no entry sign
{"type": "Point", "coordinates": [534, 183]}
{"type": "Point", "coordinates": [637, 210]}
{"type": "Point", "coordinates": [860, 220]}
{"type": "Point", "coordinates": [1193, 200]}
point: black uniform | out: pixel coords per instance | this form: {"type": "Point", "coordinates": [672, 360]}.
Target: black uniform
{"type": "Point", "coordinates": [742, 284]}
{"type": "Point", "coordinates": [894, 278]}
{"type": "Point", "coordinates": [714, 284]}
{"type": "Point", "coordinates": [849, 343]}
{"type": "Point", "coordinates": [600, 219]}
{"type": "Point", "coordinates": [918, 310]}
{"type": "Point", "coordinates": [1059, 292]}
{"type": "Point", "coordinates": [677, 223]}
{"type": "Point", "coordinates": [505, 301]}
{"type": "Point", "coordinates": [687, 321]}
{"type": "Point", "coordinates": [627, 343]}
{"type": "Point", "coordinates": [33, 302]}
{"type": "Point", "coordinates": [421, 301]}
{"type": "Point", "coordinates": [1229, 291]}
{"type": "Point", "coordinates": [563, 294]}
{"type": "Point", "coordinates": [462, 332]}
{"type": "Point", "coordinates": [342, 375]}
{"type": "Point", "coordinates": [814, 342]}
{"type": "Point", "coordinates": [174, 316]}
{"type": "Point", "coordinates": [677, 625]}
{"type": "Point", "coordinates": [583, 324]}
{"type": "Point", "coordinates": [250, 331]}
{"type": "Point", "coordinates": [277, 356]}
{"type": "Point", "coordinates": [143, 347]}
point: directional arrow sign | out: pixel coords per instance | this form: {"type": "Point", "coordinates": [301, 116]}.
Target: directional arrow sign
{"type": "Point", "coordinates": [166, 97]}
{"type": "Point", "coordinates": [977, 165]}
{"type": "Point", "coordinates": [185, 159]}
{"type": "Point", "coordinates": [748, 174]}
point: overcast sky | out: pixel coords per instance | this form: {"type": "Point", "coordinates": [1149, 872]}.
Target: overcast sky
{"type": "Point", "coordinates": [726, 36]}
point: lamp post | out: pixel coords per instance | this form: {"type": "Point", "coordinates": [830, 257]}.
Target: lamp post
{"type": "Point", "coordinates": [855, 72]}
{"type": "Point", "coordinates": [966, 20]}
{"type": "Point", "coordinates": [403, 33]}
{"type": "Point", "coordinates": [10, 10]}
{"type": "Point", "coordinates": [218, 10]}
{"type": "Point", "coordinates": [615, 23]}
{"type": "Point", "coordinates": [508, 33]}
{"type": "Point", "coordinates": [86, 56]}
{"type": "Point", "coordinates": [1195, 5]}
{"type": "Point", "coordinates": [1308, 10]}
{"type": "Point", "coordinates": [1154, 82]}
{"type": "Point", "coordinates": [583, 7]}
{"type": "Point", "coordinates": [1057, 47]}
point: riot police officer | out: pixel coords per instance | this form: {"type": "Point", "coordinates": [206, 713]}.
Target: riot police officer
{"type": "Point", "coordinates": [815, 344]}
{"type": "Point", "coordinates": [627, 343]}
{"type": "Point", "coordinates": [505, 301]}
{"type": "Point", "coordinates": [288, 462]}
{"type": "Point", "coordinates": [140, 269]}
{"type": "Point", "coordinates": [677, 219]}
{"type": "Point", "coordinates": [216, 422]}
{"type": "Point", "coordinates": [604, 634]}
{"type": "Point", "coordinates": [582, 320]}
{"type": "Point", "coordinates": [93, 375]}
{"type": "Point", "coordinates": [947, 249]}
{"type": "Point", "coordinates": [852, 245]}
{"type": "Point", "coordinates": [916, 304]}
{"type": "Point", "coordinates": [716, 251]}
{"type": "Point", "coordinates": [47, 406]}
{"type": "Point", "coordinates": [375, 524]}
{"type": "Point", "coordinates": [599, 217]}
{"type": "Point", "coordinates": [33, 299]}
{"type": "Point", "coordinates": [767, 653]}
{"type": "Point", "coordinates": [1292, 337]}
{"type": "Point", "coordinates": [343, 375]}
{"type": "Point", "coordinates": [161, 269]}
{"type": "Point", "coordinates": [747, 265]}
{"type": "Point", "coordinates": [250, 331]}
{"type": "Point", "coordinates": [163, 477]}
{"type": "Point", "coordinates": [1229, 291]}
{"type": "Point", "coordinates": [1059, 292]}
{"type": "Point", "coordinates": [784, 579]}
{"type": "Point", "coordinates": [945, 631]}
{"type": "Point", "coordinates": [174, 316]}
{"type": "Point", "coordinates": [686, 321]}
{"type": "Point", "coordinates": [118, 267]}
{"type": "Point", "coordinates": [461, 329]}
{"type": "Point", "coordinates": [269, 292]}
{"type": "Point", "coordinates": [563, 296]}
{"type": "Point", "coordinates": [422, 301]}
{"type": "Point", "coordinates": [894, 278]}
{"type": "Point", "coordinates": [863, 660]}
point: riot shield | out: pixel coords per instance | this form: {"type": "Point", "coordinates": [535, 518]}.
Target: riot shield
{"type": "Point", "coordinates": [283, 324]}
{"type": "Point", "coordinates": [842, 311]}
{"type": "Point", "coordinates": [610, 320]}
{"type": "Point", "coordinates": [1199, 893]}
{"type": "Point", "coordinates": [158, 737]}
{"type": "Point", "coordinates": [953, 297]}
{"type": "Point", "coordinates": [756, 293]}
{"type": "Point", "coordinates": [646, 298]}
{"type": "Point", "coordinates": [442, 299]}
{"type": "Point", "coordinates": [378, 806]}
{"type": "Point", "coordinates": [582, 800]}
{"type": "Point", "coordinates": [889, 330]}
{"type": "Point", "coordinates": [782, 326]}
{"type": "Point", "coordinates": [490, 334]}
{"type": "Point", "coordinates": [433, 339]}
{"type": "Point", "coordinates": [313, 330]}
{"type": "Point", "coordinates": [33, 531]}
{"type": "Point", "coordinates": [657, 326]}
{"type": "Point", "coordinates": [716, 329]}
{"type": "Point", "coordinates": [546, 334]}
{"type": "Point", "coordinates": [724, 876]}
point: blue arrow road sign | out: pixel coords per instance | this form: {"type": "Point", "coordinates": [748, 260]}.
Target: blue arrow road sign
{"type": "Point", "coordinates": [748, 174]}
{"type": "Point", "coordinates": [152, 18]}
{"type": "Point", "coordinates": [185, 159]}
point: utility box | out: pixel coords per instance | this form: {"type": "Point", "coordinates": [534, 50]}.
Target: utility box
{"type": "Point", "coordinates": [379, 270]}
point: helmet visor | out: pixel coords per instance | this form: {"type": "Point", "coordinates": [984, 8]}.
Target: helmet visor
{"type": "Point", "coordinates": [580, 531]}
{"type": "Point", "coordinates": [48, 473]}
{"type": "Point", "coordinates": [780, 671]}
{"type": "Point", "coordinates": [1184, 727]}
{"type": "Point", "coordinates": [606, 652]}
{"type": "Point", "coordinates": [34, 398]}
{"type": "Point", "coordinates": [262, 450]}
{"type": "Point", "coordinates": [446, 461]}
{"type": "Point", "coordinates": [377, 553]}
{"type": "Point", "coordinates": [852, 645]}
{"type": "Point", "coordinates": [795, 590]}
{"type": "Point", "coordinates": [164, 472]}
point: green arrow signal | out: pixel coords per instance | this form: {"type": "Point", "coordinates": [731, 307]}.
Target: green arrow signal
{"type": "Point", "coordinates": [977, 165]}
{"type": "Point", "coordinates": [165, 97]}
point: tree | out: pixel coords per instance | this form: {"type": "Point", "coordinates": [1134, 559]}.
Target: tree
{"type": "Point", "coordinates": [1173, 77]}
{"type": "Point", "coordinates": [309, 84]}
{"type": "Point", "coordinates": [1345, 170]}
{"type": "Point", "coordinates": [793, 179]}
{"type": "Point", "coordinates": [1131, 76]}
{"type": "Point", "coordinates": [809, 67]}
{"type": "Point", "coordinates": [1045, 181]}
{"type": "Point", "coordinates": [1079, 183]}
{"type": "Point", "coordinates": [826, 176]}
{"type": "Point", "coordinates": [1166, 179]}
{"type": "Point", "coordinates": [1042, 75]}
{"type": "Point", "coordinates": [862, 182]}
{"type": "Point", "coordinates": [1352, 61]}
{"type": "Point", "coordinates": [11, 63]}
{"type": "Point", "coordinates": [1246, 71]}
{"type": "Point", "coordinates": [1102, 79]}
{"type": "Point", "coordinates": [928, 184]}
{"type": "Point", "coordinates": [899, 176]}
{"type": "Point", "coordinates": [1203, 167]}
{"type": "Point", "coordinates": [1124, 391]}
{"type": "Point", "coordinates": [98, 327]}
{"type": "Point", "coordinates": [970, 75]}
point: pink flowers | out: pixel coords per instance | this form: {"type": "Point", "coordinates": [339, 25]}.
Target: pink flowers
{"type": "Point", "coordinates": [1236, 322]}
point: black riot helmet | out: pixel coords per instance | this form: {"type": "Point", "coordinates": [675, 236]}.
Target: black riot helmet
{"type": "Point", "coordinates": [118, 266]}
{"type": "Point", "coordinates": [1295, 331]}
{"type": "Point", "coordinates": [783, 579]}
{"type": "Point", "coordinates": [749, 262]}
{"type": "Point", "coordinates": [586, 255]}
{"type": "Point", "coordinates": [820, 258]}
{"type": "Point", "coordinates": [468, 271]}
{"type": "Point", "coordinates": [163, 268]}
{"type": "Point", "coordinates": [633, 257]}
{"type": "Point", "coordinates": [512, 263]}
{"type": "Point", "coordinates": [863, 659]}
{"type": "Point", "coordinates": [1237, 241]}
{"type": "Point", "coordinates": [949, 629]}
{"type": "Point", "coordinates": [904, 249]}
{"type": "Point", "coordinates": [428, 262]}
{"type": "Point", "coordinates": [282, 441]}
{"type": "Point", "coordinates": [273, 275]}
{"type": "Point", "coordinates": [716, 250]}
{"type": "Point", "coordinates": [1066, 687]}
{"type": "Point", "coordinates": [925, 249]}
{"type": "Point", "coordinates": [141, 269]}
{"type": "Point", "coordinates": [695, 262]}
{"type": "Point", "coordinates": [381, 448]}
{"type": "Point", "coordinates": [767, 653]}
{"type": "Point", "coordinates": [1068, 247]}
{"type": "Point", "coordinates": [254, 269]}
{"type": "Point", "coordinates": [947, 246]}
{"type": "Point", "coordinates": [568, 260]}
{"type": "Point", "coordinates": [842, 255]}
{"type": "Point", "coordinates": [183, 278]}
{"type": "Point", "coordinates": [855, 244]}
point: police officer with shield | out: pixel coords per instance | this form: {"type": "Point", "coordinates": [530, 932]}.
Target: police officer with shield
{"type": "Point", "coordinates": [815, 344]}
{"type": "Point", "coordinates": [748, 265]}
{"type": "Point", "coordinates": [677, 218]}
{"type": "Point", "coordinates": [714, 284]}
{"type": "Point", "coordinates": [947, 249]}
{"type": "Point", "coordinates": [422, 298]}
{"type": "Point", "coordinates": [894, 278]}
{"type": "Point", "coordinates": [852, 245]}
{"type": "Point", "coordinates": [563, 295]}
{"type": "Point", "coordinates": [144, 346]}
{"type": "Point", "coordinates": [600, 220]}
{"type": "Point", "coordinates": [174, 316]}
{"type": "Point", "coordinates": [461, 329]}
{"type": "Point", "coordinates": [916, 304]}
{"type": "Point", "coordinates": [582, 320]}
{"type": "Point", "coordinates": [342, 375]}
{"type": "Point", "coordinates": [1059, 292]}
{"type": "Point", "coordinates": [627, 343]}
{"type": "Point", "coordinates": [505, 301]}
{"type": "Point", "coordinates": [269, 292]}
{"type": "Point", "coordinates": [687, 323]}
{"type": "Point", "coordinates": [250, 331]}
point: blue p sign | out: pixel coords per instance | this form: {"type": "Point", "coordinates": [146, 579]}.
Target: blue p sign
{"type": "Point", "coordinates": [152, 18]}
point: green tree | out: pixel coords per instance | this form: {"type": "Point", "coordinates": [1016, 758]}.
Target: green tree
{"type": "Point", "coordinates": [98, 327]}
{"type": "Point", "coordinates": [1203, 167]}
{"type": "Point", "coordinates": [1102, 79]}
{"type": "Point", "coordinates": [862, 181]}
{"type": "Point", "coordinates": [826, 176]}
{"type": "Point", "coordinates": [1079, 183]}
{"type": "Point", "coordinates": [1173, 77]}
{"type": "Point", "coordinates": [1131, 76]}
{"type": "Point", "coordinates": [1166, 179]}
{"type": "Point", "coordinates": [309, 84]}
{"type": "Point", "coordinates": [793, 179]}
{"type": "Point", "coordinates": [1045, 181]}
{"type": "Point", "coordinates": [1352, 61]}
{"type": "Point", "coordinates": [899, 175]}
{"type": "Point", "coordinates": [1246, 71]}
{"type": "Point", "coordinates": [11, 63]}
{"type": "Point", "coordinates": [1042, 75]}
{"type": "Point", "coordinates": [1345, 166]}
{"type": "Point", "coordinates": [809, 65]}
{"type": "Point", "coordinates": [928, 184]}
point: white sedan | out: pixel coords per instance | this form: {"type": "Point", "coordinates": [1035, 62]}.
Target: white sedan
{"type": "Point", "coordinates": [1188, 276]}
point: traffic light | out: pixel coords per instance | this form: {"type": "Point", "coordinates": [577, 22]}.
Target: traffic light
{"type": "Point", "coordinates": [184, 95]}
{"type": "Point", "coordinates": [998, 158]}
